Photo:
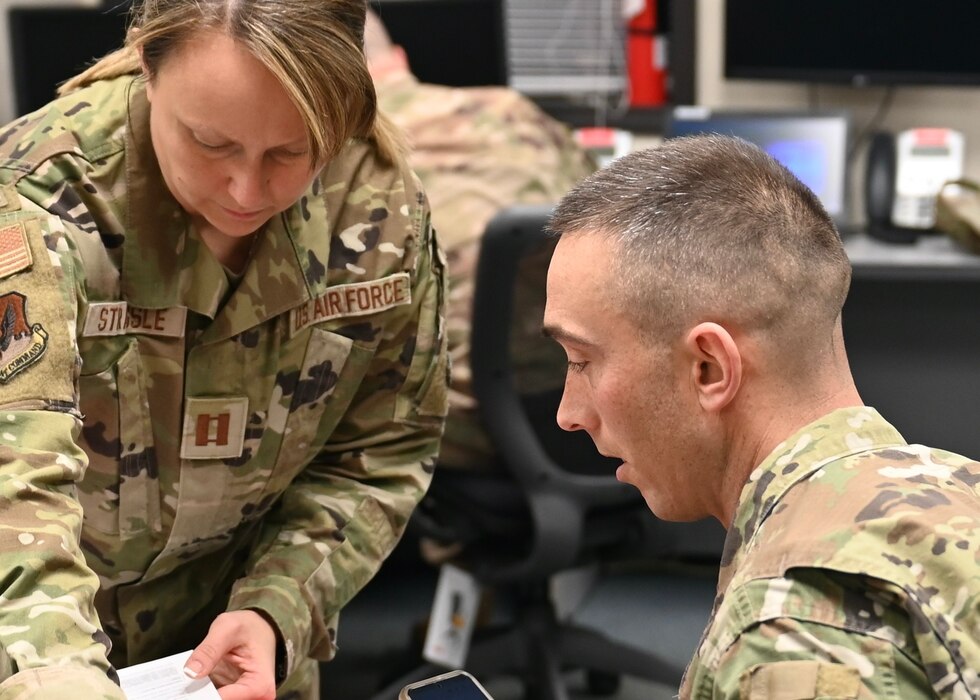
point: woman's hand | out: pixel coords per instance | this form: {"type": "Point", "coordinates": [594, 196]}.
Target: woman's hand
{"type": "Point", "coordinates": [239, 654]}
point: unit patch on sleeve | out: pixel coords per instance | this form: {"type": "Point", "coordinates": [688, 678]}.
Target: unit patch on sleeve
{"type": "Point", "coordinates": [21, 344]}
{"type": "Point", "coordinates": [355, 299]}
{"type": "Point", "coordinates": [15, 254]}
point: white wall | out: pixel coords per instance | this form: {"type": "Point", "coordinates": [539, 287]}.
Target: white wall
{"type": "Point", "coordinates": [955, 107]}
{"type": "Point", "coordinates": [6, 76]}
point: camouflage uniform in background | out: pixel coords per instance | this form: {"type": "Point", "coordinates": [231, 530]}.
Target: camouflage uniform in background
{"type": "Point", "coordinates": [477, 151]}
{"type": "Point", "coordinates": [851, 571]}
{"type": "Point", "coordinates": [176, 441]}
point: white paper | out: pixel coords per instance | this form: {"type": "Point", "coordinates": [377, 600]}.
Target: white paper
{"type": "Point", "coordinates": [164, 679]}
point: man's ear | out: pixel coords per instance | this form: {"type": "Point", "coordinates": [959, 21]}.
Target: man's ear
{"type": "Point", "coordinates": [716, 365]}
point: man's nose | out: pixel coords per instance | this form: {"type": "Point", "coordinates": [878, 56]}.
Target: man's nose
{"type": "Point", "coordinates": [572, 412]}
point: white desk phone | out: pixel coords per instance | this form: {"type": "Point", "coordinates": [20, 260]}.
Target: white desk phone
{"type": "Point", "coordinates": [905, 173]}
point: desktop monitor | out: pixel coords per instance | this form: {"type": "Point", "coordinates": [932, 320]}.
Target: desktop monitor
{"type": "Point", "coordinates": [861, 42]}
{"type": "Point", "coordinates": [81, 35]}
{"type": "Point", "coordinates": [812, 146]}
{"type": "Point", "coordinates": [449, 42]}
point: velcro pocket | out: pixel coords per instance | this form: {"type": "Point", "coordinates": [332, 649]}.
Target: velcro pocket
{"type": "Point", "coordinates": [800, 680]}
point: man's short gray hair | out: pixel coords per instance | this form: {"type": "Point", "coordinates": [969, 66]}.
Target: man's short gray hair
{"type": "Point", "coordinates": [711, 228]}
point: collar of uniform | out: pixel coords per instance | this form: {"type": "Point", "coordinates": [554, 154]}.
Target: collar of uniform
{"type": "Point", "coordinates": [273, 283]}
{"type": "Point", "coordinates": [165, 264]}
{"type": "Point", "coordinates": [838, 434]}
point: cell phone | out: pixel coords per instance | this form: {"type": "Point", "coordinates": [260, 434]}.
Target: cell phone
{"type": "Point", "coordinates": [455, 685]}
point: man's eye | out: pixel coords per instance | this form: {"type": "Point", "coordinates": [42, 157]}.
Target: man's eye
{"type": "Point", "coordinates": [576, 366]}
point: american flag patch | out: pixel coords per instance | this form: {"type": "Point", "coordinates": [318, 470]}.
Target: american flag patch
{"type": "Point", "coordinates": [15, 254]}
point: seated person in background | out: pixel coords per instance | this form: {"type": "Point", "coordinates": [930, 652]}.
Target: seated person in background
{"type": "Point", "coordinates": [477, 150]}
{"type": "Point", "coordinates": [697, 291]}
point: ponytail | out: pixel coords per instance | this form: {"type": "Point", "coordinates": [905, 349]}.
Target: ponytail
{"type": "Point", "coordinates": [124, 61]}
{"type": "Point", "coordinates": [389, 139]}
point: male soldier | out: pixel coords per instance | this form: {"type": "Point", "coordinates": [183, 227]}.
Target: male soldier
{"type": "Point", "coordinates": [697, 291]}
{"type": "Point", "coordinates": [477, 151]}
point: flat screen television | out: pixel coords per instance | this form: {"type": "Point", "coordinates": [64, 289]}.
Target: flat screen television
{"type": "Point", "coordinates": [861, 42]}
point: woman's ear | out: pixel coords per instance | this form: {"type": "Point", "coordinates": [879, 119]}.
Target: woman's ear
{"type": "Point", "coordinates": [716, 365]}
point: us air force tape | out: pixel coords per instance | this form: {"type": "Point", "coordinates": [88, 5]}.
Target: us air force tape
{"type": "Point", "coordinates": [354, 299]}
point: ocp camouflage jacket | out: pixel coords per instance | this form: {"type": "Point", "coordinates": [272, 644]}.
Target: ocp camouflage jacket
{"type": "Point", "coordinates": [174, 443]}
{"type": "Point", "coordinates": [850, 571]}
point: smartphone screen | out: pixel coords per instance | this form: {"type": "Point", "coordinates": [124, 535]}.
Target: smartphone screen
{"type": "Point", "coordinates": [452, 687]}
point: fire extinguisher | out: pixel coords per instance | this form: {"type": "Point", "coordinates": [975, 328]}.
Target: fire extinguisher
{"type": "Point", "coordinates": [646, 54]}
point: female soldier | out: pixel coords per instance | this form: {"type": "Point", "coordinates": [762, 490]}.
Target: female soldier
{"type": "Point", "coordinates": [222, 367]}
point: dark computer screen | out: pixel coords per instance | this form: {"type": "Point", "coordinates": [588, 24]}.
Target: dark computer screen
{"type": "Point", "coordinates": [449, 42]}
{"type": "Point", "coordinates": [813, 147]}
{"type": "Point", "coordinates": [854, 41]}
{"type": "Point", "coordinates": [48, 45]}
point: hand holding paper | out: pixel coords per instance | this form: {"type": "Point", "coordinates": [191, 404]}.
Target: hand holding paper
{"type": "Point", "coordinates": [239, 654]}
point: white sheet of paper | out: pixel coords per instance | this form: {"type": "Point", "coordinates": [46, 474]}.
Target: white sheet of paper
{"type": "Point", "coordinates": [164, 679]}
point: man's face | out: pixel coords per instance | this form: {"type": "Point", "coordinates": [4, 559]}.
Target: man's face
{"type": "Point", "coordinates": [631, 395]}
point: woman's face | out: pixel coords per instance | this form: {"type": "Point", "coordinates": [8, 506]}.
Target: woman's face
{"type": "Point", "coordinates": [232, 148]}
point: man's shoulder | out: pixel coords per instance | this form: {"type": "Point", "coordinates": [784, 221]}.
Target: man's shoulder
{"type": "Point", "coordinates": [874, 510]}
{"type": "Point", "coordinates": [852, 490]}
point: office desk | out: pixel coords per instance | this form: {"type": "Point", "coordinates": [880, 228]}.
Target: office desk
{"type": "Point", "coordinates": [912, 331]}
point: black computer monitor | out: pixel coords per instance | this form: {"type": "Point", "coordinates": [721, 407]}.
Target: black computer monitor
{"type": "Point", "coordinates": [449, 42]}
{"type": "Point", "coordinates": [853, 41]}
{"type": "Point", "coordinates": [48, 45]}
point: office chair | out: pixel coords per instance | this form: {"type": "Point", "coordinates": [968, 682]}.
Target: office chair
{"type": "Point", "coordinates": [552, 504]}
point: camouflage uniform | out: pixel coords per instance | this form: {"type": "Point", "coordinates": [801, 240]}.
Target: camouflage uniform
{"type": "Point", "coordinates": [477, 151]}
{"type": "Point", "coordinates": [176, 442]}
{"type": "Point", "coordinates": [851, 571]}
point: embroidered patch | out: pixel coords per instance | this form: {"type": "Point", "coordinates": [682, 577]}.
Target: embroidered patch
{"type": "Point", "coordinates": [15, 253]}
{"type": "Point", "coordinates": [355, 299]}
{"type": "Point", "coordinates": [21, 344]}
{"type": "Point", "coordinates": [119, 318]}
{"type": "Point", "coordinates": [214, 428]}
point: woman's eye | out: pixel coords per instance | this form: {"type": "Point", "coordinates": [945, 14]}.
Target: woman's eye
{"type": "Point", "coordinates": [292, 154]}
{"type": "Point", "coordinates": [203, 143]}
{"type": "Point", "coordinates": [576, 366]}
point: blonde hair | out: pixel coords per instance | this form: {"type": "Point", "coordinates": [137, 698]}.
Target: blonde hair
{"type": "Point", "coordinates": [313, 47]}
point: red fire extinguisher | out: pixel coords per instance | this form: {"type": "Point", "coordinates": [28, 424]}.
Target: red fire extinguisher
{"type": "Point", "coordinates": [645, 54]}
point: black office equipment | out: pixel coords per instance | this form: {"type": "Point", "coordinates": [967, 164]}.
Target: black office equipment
{"type": "Point", "coordinates": [449, 42]}
{"type": "Point", "coordinates": [862, 42]}
{"type": "Point", "coordinates": [80, 35]}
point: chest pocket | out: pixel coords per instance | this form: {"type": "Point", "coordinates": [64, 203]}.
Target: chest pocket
{"type": "Point", "coordinates": [308, 402]}
{"type": "Point", "coordinates": [120, 493]}
{"type": "Point", "coordinates": [291, 409]}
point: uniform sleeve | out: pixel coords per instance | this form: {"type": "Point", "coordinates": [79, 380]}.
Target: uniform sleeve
{"type": "Point", "coordinates": [343, 515]}
{"type": "Point", "coordinates": [50, 636]}
{"type": "Point", "coordinates": [826, 642]}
